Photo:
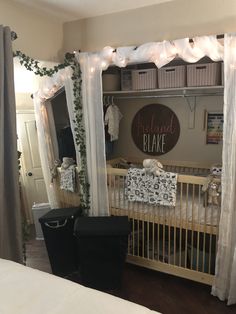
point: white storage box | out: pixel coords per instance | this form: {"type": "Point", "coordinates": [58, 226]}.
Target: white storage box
{"type": "Point", "coordinates": [170, 77]}
{"type": "Point", "coordinates": [208, 74]}
{"type": "Point", "coordinates": [126, 79]}
{"type": "Point", "coordinates": [144, 79]}
{"type": "Point", "coordinates": [38, 211]}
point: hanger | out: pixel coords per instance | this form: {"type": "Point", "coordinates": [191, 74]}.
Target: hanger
{"type": "Point", "coordinates": [108, 101]}
{"type": "Point", "coordinates": [112, 101]}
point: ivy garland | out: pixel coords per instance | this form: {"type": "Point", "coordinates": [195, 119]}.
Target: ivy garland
{"type": "Point", "coordinates": [70, 60]}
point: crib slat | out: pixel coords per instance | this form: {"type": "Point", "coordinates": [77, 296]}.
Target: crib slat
{"type": "Point", "coordinates": [186, 230]}
{"type": "Point", "coordinates": [180, 236]}
{"type": "Point", "coordinates": [143, 234]}
{"type": "Point", "coordinates": [192, 233]}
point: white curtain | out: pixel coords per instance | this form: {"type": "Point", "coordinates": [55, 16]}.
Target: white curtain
{"type": "Point", "coordinates": [91, 67]}
{"type": "Point", "coordinates": [161, 53]}
{"type": "Point", "coordinates": [47, 87]}
{"type": "Point", "coordinates": [225, 280]}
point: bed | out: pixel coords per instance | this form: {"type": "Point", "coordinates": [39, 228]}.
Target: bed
{"type": "Point", "coordinates": [24, 290]}
{"type": "Point", "coordinates": [179, 240]}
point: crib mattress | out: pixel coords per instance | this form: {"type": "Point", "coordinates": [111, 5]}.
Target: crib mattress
{"type": "Point", "coordinates": [187, 208]}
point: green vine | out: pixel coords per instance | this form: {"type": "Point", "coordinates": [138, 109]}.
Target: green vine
{"type": "Point", "coordinates": [33, 65]}
{"type": "Point", "coordinates": [80, 136]}
{"type": "Point", "coordinates": [70, 60]}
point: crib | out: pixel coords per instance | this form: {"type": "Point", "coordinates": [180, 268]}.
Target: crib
{"type": "Point", "coordinates": [178, 240]}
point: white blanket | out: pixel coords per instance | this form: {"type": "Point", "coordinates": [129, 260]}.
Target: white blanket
{"type": "Point", "coordinates": [152, 189]}
{"type": "Point", "coordinates": [28, 291]}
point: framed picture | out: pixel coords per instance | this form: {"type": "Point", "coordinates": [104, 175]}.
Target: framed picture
{"type": "Point", "coordinates": [214, 127]}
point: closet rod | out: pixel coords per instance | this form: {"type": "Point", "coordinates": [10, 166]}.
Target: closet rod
{"type": "Point", "coordinates": [164, 96]}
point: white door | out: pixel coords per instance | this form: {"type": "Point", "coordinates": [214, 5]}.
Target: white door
{"type": "Point", "coordinates": [31, 173]}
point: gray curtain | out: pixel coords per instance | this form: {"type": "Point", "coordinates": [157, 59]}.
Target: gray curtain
{"type": "Point", "coordinates": [10, 217]}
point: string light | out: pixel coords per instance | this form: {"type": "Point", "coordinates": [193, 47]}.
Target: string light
{"type": "Point", "coordinates": [104, 65]}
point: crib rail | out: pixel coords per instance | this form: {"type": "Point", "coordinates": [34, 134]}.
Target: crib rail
{"type": "Point", "coordinates": [182, 167]}
{"type": "Point", "coordinates": [180, 241]}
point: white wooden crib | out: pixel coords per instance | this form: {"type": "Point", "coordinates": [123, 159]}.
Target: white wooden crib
{"type": "Point", "coordinates": [180, 240]}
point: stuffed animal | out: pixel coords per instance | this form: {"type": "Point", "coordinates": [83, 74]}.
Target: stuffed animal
{"type": "Point", "coordinates": [213, 185]}
{"type": "Point", "coordinates": [67, 162]}
{"type": "Point", "coordinates": [153, 166]}
{"type": "Point", "coordinates": [53, 170]}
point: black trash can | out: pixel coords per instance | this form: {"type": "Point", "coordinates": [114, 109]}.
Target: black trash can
{"type": "Point", "coordinates": [58, 230]}
{"type": "Point", "coordinates": [102, 247]}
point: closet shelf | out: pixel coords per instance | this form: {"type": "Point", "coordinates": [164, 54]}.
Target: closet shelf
{"type": "Point", "coordinates": [169, 92]}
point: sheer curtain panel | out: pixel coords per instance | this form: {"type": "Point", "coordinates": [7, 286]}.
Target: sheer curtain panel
{"type": "Point", "coordinates": [47, 87]}
{"type": "Point", "coordinates": [225, 279]}
{"type": "Point", "coordinates": [91, 67]}
{"type": "Point", "coordinates": [10, 217]}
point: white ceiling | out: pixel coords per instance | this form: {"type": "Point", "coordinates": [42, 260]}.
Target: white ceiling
{"type": "Point", "coordinates": [68, 10]}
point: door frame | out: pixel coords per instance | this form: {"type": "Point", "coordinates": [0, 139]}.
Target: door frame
{"type": "Point", "coordinates": [25, 202]}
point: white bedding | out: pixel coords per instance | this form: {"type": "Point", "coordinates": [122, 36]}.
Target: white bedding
{"type": "Point", "coordinates": [28, 291]}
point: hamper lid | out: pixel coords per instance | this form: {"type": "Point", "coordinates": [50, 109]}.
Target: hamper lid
{"type": "Point", "coordinates": [41, 205]}
{"type": "Point", "coordinates": [61, 213]}
{"type": "Point", "coordinates": [100, 226]}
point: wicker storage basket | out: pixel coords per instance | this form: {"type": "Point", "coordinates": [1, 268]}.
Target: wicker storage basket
{"type": "Point", "coordinates": [144, 79]}
{"type": "Point", "coordinates": [208, 74]}
{"type": "Point", "coordinates": [170, 77]}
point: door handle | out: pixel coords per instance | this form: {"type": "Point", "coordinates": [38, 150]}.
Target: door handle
{"type": "Point", "coordinates": [29, 174]}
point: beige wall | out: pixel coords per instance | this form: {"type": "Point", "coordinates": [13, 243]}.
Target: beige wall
{"type": "Point", "coordinates": [191, 145]}
{"type": "Point", "coordinates": [38, 35]}
{"type": "Point", "coordinates": [172, 20]}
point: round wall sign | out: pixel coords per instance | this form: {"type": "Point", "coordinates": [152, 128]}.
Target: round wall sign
{"type": "Point", "coordinates": [155, 129]}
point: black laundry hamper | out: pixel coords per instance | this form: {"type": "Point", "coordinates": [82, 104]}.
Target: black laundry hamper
{"type": "Point", "coordinates": [102, 247]}
{"type": "Point", "coordinates": [58, 230]}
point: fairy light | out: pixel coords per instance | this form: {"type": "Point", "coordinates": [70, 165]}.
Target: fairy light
{"type": "Point", "coordinates": [107, 53]}
{"type": "Point", "coordinates": [104, 65]}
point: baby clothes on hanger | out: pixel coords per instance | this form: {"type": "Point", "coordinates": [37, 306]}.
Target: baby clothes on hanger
{"type": "Point", "coordinates": [112, 119]}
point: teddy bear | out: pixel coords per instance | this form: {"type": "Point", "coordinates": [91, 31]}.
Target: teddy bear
{"type": "Point", "coordinates": [53, 169]}
{"type": "Point", "coordinates": [213, 185]}
{"type": "Point", "coordinates": [153, 166]}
